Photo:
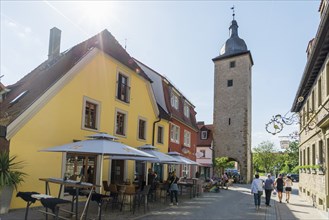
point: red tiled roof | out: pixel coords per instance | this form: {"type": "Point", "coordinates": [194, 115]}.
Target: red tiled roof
{"type": "Point", "coordinates": [179, 114]}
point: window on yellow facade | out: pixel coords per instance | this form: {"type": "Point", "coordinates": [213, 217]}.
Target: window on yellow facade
{"type": "Point", "coordinates": [123, 89]}
{"type": "Point", "coordinates": [160, 135]}
{"type": "Point", "coordinates": [120, 123]}
{"type": "Point", "coordinates": [142, 129]}
{"type": "Point", "coordinates": [91, 114]}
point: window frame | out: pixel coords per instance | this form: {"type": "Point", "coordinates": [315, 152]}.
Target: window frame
{"type": "Point", "coordinates": [230, 83]}
{"type": "Point", "coordinates": [204, 135]}
{"type": "Point", "coordinates": [142, 136]}
{"type": "Point", "coordinates": [125, 123]}
{"type": "Point", "coordinates": [319, 92]}
{"type": "Point", "coordinates": [97, 114]}
{"type": "Point", "coordinates": [232, 64]}
{"type": "Point", "coordinates": [203, 153]}
{"type": "Point", "coordinates": [187, 138]}
{"type": "Point", "coordinates": [174, 134]}
{"type": "Point", "coordinates": [186, 110]}
{"type": "Point", "coordinates": [174, 100]}
{"type": "Point", "coordinates": [160, 138]}
{"type": "Point", "coordinates": [126, 96]}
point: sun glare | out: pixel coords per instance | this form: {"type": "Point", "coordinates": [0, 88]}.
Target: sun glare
{"type": "Point", "coordinates": [95, 11]}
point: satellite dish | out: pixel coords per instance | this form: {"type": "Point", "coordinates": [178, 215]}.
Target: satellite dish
{"type": "Point", "coordinates": [198, 154]}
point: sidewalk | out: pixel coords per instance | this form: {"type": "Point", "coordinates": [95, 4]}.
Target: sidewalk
{"type": "Point", "coordinates": [297, 208]}
{"type": "Point", "coordinates": [235, 203]}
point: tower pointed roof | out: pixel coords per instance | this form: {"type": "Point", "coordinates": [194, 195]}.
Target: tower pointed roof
{"type": "Point", "coordinates": [234, 45]}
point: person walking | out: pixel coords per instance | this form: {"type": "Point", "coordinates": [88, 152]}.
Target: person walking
{"type": "Point", "coordinates": [225, 180]}
{"type": "Point", "coordinates": [279, 186]}
{"type": "Point", "coordinates": [288, 185]}
{"type": "Point", "coordinates": [257, 190]}
{"type": "Point", "coordinates": [268, 186]}
{"type": "Point", "coordinates": [173, 188]}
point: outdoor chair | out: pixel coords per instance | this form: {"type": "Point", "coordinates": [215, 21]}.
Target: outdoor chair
{"type": "Point", "coordinates": [100, 199]}
{"type": "Point", "coordinates": [121, 190]}
{"type": "Point", "coordinates": [114, 194]}
{"type": "Point", "coordinates": [130, 193]}
{"type": "Point", "coordinates": [164, 193]}
{"type": "Point", "coordinates": [54, 205]}
{"type": "Point", "coordinates": [106, 187]}
{"type": "Point", "coordinates": [27, 197]}
{"type": "Point", "coordinates": [142, 197]}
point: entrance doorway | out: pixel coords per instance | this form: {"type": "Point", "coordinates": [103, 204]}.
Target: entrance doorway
{"type": "Point", "coordinates": [117, 171]}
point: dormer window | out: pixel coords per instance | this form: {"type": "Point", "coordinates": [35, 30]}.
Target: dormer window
{"type": "Point", "coordinates": [186, 110]}
{"type": "Point", "coordinates": [174, 100]}
{"type": "Point", "coordinates": [204, 135]}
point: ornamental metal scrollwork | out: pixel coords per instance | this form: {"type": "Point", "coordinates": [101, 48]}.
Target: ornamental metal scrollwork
{"type": "Point", "coordinates": [278, 121]}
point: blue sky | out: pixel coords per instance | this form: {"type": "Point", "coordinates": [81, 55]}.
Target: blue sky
{"type": "Point", "coordinates": [177, 39]}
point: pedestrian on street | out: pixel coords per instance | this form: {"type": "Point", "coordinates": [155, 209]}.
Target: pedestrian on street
{"type": "Point", "coordinates": [173, 188]}
{"type": "Point", "coordinates": [269, 186]}
{"type": "Point", "coordinates": [279, 186]}
{"type": "Point", "coordinates": [257, 190]}
{"type": "Point", "coordinates": [288, 184]}
{"type": "Point", "coordinates": [225, 180]}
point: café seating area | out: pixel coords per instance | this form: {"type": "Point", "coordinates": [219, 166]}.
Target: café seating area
{"type": "Point", "coordinates": [126, 199]}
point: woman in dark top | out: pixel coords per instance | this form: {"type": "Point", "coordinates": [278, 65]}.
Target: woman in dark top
{"type": "Point", "coordinates": [279, 186]}
{"type": "Point", "coordinates": [173, 187]}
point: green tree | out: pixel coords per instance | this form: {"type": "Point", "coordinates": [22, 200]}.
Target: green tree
{"type": "Point", "coordinates": [293, 155]}
{"type": "Point", "coordinates": [220, 163]}
{"type": "Point", "coordinates": [264, 158]}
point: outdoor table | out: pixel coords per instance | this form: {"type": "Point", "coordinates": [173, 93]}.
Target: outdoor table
{"type": "Point", "coordinates": [70, 183]}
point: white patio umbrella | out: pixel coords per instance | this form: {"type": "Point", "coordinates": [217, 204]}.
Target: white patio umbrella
{"type": "Point", "coordinates": [101, 144]}
{"type": "Point", "coordinates": [159, 156]}
{"type": "Point", "coordinates": [182, 159]}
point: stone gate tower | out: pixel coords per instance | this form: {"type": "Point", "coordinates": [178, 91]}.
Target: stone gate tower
{"type": "Point", "coordinates": [232, 103]}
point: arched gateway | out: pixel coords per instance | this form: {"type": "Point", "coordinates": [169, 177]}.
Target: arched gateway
{"type": "Point", "coordinates": [232, 103]}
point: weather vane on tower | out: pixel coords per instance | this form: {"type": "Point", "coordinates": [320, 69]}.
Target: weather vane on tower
{"type": "Point", "coordinates": [233, 12]}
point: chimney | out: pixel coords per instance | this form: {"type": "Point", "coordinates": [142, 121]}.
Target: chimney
{"type": "Point", "coordinates": [54, 43]}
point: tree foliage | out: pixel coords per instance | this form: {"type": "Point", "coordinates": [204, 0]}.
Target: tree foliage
{"type": "Point", "coordinates": [267, 159]}
{"type": "Point", "coordinates": [264, 159]}
{"type": "Point", "coordinates": [220, 163]}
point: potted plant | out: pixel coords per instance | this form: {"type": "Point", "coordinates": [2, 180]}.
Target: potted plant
{"type": "Point", "coordinates": [10, 177]}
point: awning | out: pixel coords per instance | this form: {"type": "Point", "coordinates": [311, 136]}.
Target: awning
{"type": "Point", "coordinates": [182, 159]}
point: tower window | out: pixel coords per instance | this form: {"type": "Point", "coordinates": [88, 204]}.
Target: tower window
{"type": "Point", "coordinates": [232, 64]}
{"type": "Point", "coordinates": [229, 121]}
{"type": "Point", "coordinates": [230, 83]}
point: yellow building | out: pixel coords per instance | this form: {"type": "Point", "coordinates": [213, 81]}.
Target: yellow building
{"type": "Point", "coordinates": [93, 87]}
